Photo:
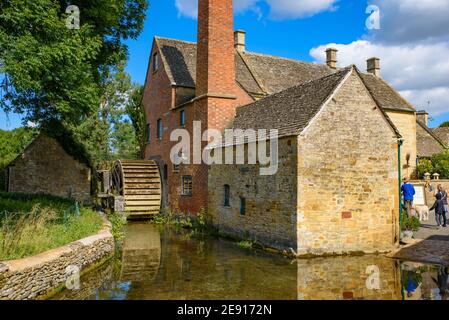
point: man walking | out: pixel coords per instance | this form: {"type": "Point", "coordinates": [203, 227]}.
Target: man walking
{"type": "Point", "coordinates": [408, 192]}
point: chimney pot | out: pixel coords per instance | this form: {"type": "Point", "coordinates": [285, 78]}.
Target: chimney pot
{"type": "Point", "coordinates": [331, 58]}
{"type": "Point", "coordinates": [373, 66]}
{"type": "Point", "coordinates": [240, 40]}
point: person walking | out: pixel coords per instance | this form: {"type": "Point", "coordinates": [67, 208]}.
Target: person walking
{"type": "Point", "coordinates": [443, 193]}
{"type": "Point", "coordinates": [408, 192]}
{"type": "Point", "coordinates": [440, 214]}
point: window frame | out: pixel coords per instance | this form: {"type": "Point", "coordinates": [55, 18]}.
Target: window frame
{"type": "Point", "coordinates": [242, 206]}
{"type": "Point", "coordinates": [182, 118]}
{"type": "Point", "coordinates": [159, 129]}
{"type": "Point", "coordinates": [227, 196]}
{"type": "Point", "coordinates": [155, 61]}
{"type": "Point", "coordinates": [148, 133]}
{"type": "Point", "coordinates": [185, 179]}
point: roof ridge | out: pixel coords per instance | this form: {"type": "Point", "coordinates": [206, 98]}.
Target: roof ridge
{"type": "Point", "coordinates": [251, 72]}
{"type": "Point", "coordinates": [284, 58]}
{"type": "Point", "coordinates": [298, 86]}
{"type": "Point", "coordinates": [172, 39]}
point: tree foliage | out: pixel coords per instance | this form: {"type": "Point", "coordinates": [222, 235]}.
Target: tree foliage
{"type": "Point", "coordinates": [13, 142]}
{"type": "Point", "coordinates": [438, 164]}
{"type": "Point", "coordinates": [136, 113]}
{"type": "Point", "coordinates": [50, 71]}
{"type": "Point", "coordinates": [444, 124]}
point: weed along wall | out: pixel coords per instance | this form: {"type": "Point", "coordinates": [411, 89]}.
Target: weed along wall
{"type": "Point", "coordinates": [43, 275]}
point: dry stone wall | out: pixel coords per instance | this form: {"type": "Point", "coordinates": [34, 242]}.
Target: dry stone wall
{"type": "Point", "coordinates": [38, 276]}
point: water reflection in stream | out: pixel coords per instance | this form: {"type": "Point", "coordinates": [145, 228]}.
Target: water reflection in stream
{"type": "Point", "coordinates": [162, 263]}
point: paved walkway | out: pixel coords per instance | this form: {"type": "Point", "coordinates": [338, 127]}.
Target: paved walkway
{"type": "Point", "coordinates": [431, 245]}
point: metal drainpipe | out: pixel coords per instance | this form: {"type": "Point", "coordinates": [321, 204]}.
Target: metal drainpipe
{"type": "Point", "coordinates": [400, 143]}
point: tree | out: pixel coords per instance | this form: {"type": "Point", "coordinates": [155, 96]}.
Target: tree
{"type": "Point", "coordinates": [444, 124]}
{"type": "Point", "coordinates": [124, 141]}
{"type": "Point", "coordinates": [424, 166]}
{"type": "Point", "coordinates": [52, 72]}
{"type": "Point", "coordinates": [441, 164]}
{"type": "Point", "coordinates": [14, 142]}
{"type": "Point", "coordinates": [136, 113]}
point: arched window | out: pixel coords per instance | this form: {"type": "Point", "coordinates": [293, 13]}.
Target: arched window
{"type": "Point", "coordinates": [227, 195]}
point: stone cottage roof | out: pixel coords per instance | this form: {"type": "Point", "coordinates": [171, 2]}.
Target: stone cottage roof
{"type": "Point", "coordinates": [443, 134]}
{"type": "Point", "coordinates": [291, 110]}
{"type": "Point", "coordinates": [261, 75]}
{"type": "Point", "coordinates": [427, 142]}
{"type": "Point", "coordinates": [384, 94]}
{"type": "Point", "coordinates": [67, 141]}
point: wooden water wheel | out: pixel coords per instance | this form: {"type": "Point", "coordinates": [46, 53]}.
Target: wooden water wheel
{"type": "Point", "coordinates": [139, 183]}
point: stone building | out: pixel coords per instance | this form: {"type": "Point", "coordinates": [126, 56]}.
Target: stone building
{"type": "Point", "coordinates": [428, 141]}
{"type": "Point", "coordinates": [210, 80]}
{"type": "Point", "coordinates": [336, 188]}
{"type": "Point", "coordinates": [47, 166]}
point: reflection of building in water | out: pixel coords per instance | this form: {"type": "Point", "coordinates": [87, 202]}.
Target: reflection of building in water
{"type": "Point", "coordinates": [141, 253]}
{"type": "Point", "coordinates": [365, 277]}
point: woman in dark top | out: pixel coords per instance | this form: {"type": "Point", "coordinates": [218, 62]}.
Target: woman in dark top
{"type": "Point", "coordinates": [440, 213]}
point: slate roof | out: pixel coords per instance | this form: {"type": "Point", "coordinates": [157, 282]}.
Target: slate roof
{"type": "Point", "coordinates": [291, 110]}
{"type": "Point", "coordinates": [384, 94]}
{"type": "Point", "coordinates": [262, 75]}
{"type": "Point", "coordinates": [443, 134]}
{"type": "Point", "coordinates": [427, 142]}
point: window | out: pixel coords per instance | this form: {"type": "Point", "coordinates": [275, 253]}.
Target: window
{"type": "Point", "coordinates": [155, 62]}
{"type": "Point", "coordinates": [148, 133]}
{"type": "Point", "coordinates": [176, 167]}
{"type": "Point", "coordinates": [165, 172]}
{"type": "Point", "coordinates": [227, 195]}
{"type": "Point", "coordinates": [242, 206]}
{"type": "Point", "coordinates": [186, 185]}
{"type": "Point", "coordinates": [182, 118]}
{"type": "Point", "coordinates": [159, 129]}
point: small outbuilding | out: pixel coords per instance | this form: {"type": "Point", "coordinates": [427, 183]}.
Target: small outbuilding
{"type": "Point", "coordinates": [49, 165]}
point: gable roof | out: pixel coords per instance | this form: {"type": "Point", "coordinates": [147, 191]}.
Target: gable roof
{"type": "Point", "coordinates": [65, 138]}
{"type": "Point", "coordinates": [427, 142]}
{"type": "Point", "coordinates": [385, 95]}
{"type": "Point", "coordinates": [290, 111]}
{"type": "Point", "coordinates": [262, 75]}
{"type": "Point", "coordinates": [443, 134]}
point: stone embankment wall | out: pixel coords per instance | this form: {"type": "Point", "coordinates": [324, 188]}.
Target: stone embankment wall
{"type": "Point", "coordinates": [42, 275]}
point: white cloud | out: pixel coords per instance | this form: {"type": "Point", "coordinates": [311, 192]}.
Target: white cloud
{"type": "Point", "coordinates": [292, 9]}
{"type": "Point", "coordinates": [189, 8]}
{"type": "Point", "coordinates": [279, 9]}
{"type": "Point", "coordinates": [412, 44]}
{"type": "Point", "coordinates": [412, 20]}
{"type": "Point", "coordinates": [419, 72]}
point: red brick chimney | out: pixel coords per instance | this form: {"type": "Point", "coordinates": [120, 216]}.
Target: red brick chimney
{"type": "Point", "coordinates": [215, 72]}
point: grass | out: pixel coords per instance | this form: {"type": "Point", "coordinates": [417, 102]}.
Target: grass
{"type": "Point", "coordinates": [245, 244]}
{"type": "Point", "coordinates": [33, 224]}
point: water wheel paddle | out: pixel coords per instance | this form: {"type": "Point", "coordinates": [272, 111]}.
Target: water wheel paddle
{"type": "Point", "coordinates": [139, 183]}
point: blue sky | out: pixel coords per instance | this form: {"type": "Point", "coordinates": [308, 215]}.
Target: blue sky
{"type": "Point", "coordinates": [302, 29]}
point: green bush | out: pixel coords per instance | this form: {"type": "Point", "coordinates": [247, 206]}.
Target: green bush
{"type": "Point", "coordinates": [441, 164]}
{"type": "Point", "coordinates": [410, 223]}
{"type": "Point", "coordinates": [424, 166]}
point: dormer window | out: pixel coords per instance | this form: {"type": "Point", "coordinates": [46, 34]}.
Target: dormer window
{"type": "Point", "coordinates": [155, 62]}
